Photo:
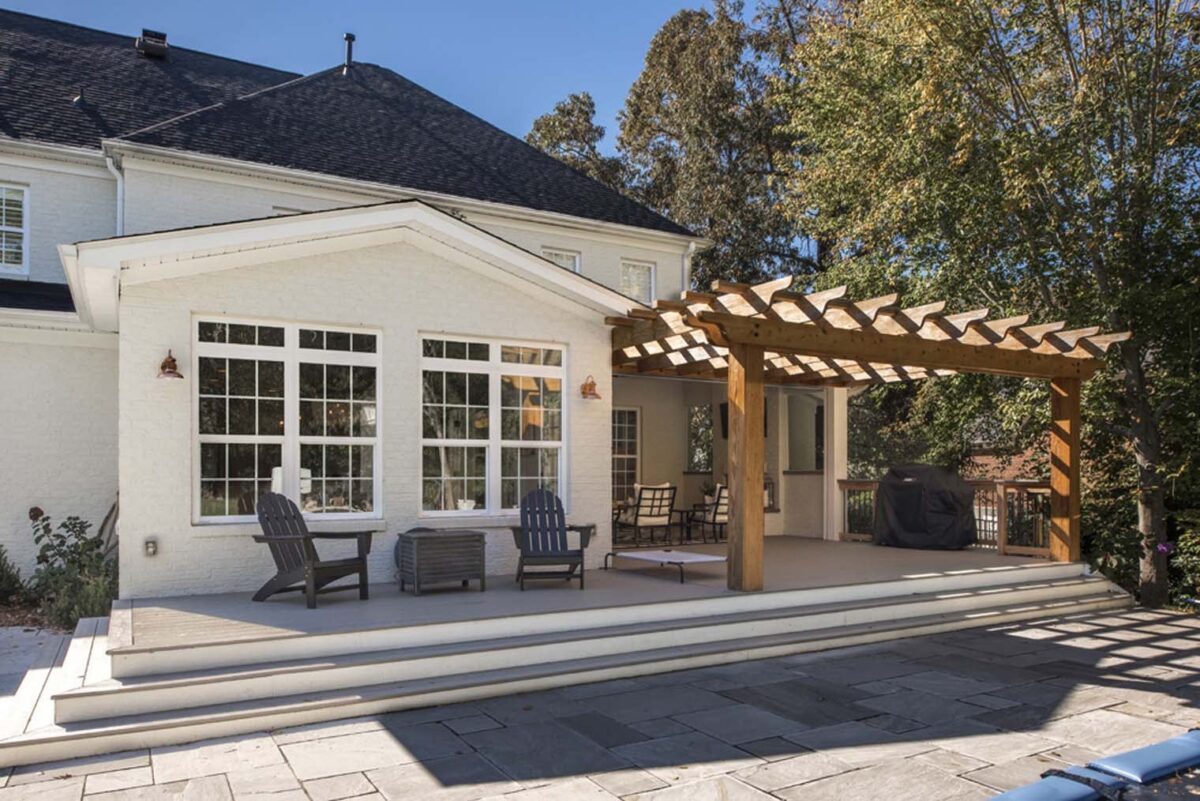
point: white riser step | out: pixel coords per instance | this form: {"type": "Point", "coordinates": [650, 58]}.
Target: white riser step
{"type": "Point", "coordinates": [171, 692]}
{"type": "Point", "coordinates": [133, 660]}
{"type": "Point", "coordinates": [99, 737]}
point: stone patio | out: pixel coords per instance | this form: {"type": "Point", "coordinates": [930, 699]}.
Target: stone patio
{"type": "Point", "coordinates": [957, 716]}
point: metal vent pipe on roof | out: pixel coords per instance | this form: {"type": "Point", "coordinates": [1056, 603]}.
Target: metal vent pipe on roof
{"type": "Point", "coordinates": [349, 37]}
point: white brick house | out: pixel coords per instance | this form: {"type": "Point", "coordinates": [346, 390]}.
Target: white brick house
{"type": "Point", "coordinates": [107, 161]}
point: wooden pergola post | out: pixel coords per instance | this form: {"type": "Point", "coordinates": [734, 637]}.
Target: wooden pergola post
{"type": "Point", "coordinates": [1064, 469]}
{"type": "Point", "coordinates": [745, 466]}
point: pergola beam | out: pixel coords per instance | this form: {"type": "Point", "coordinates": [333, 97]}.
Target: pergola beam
{"type": "Point", "coordinates": [818, 339]}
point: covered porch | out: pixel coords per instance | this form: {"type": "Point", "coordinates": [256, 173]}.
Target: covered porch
{"type": "Point", "coordinates": [756, 338]}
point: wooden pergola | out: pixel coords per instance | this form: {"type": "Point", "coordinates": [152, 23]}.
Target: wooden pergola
{"type": "Point", "coordinates": [751, 335]}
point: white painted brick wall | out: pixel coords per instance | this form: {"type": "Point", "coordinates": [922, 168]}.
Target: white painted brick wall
{"type": "Point", "coordinates": [65, 206]}
{"type": "Point", "coordinates": [398, 289]}
{"type": "Point", "coordinates": [58, 445]}
{"type": "Point", "coordinates": [196, 199]}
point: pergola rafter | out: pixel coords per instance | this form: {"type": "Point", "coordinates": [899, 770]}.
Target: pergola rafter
{"type": "Point", "coordinates": [751, 335]}
{"type": "Point", "coordinates": [845, 342]}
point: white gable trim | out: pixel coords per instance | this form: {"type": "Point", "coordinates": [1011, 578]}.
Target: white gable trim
{"type": "Point", "coordinates": [95, 270]}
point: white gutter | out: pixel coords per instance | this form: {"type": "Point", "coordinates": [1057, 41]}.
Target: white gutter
{"type": "Point", "coordinates": [120, 176]}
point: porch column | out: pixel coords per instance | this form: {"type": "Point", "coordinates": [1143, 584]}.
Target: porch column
{"type": "Point", "coordinates": [745, 465]}
{"type": "Point", "coordinates": [1064, 469]}
{"type": "Point", "coordinates": [836, 467]}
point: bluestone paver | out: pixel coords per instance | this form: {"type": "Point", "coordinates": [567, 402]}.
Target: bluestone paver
{"type": "Point", "coordinates": [952, 717]}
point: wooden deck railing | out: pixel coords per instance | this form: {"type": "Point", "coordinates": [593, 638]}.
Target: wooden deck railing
{"type": "Point", "coordinates": [1011, 517]}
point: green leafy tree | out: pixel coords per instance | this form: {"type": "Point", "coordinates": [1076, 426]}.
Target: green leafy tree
{"type": "Point", "coordinates": [1036, 156]}
{"type": "Point", "coordinates": [571, 135]}
{"type": "Point", "coordinates": [702, 140]}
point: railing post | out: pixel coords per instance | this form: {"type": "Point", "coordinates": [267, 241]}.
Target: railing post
{"type": "Point", "coordinates": [1001, 518]}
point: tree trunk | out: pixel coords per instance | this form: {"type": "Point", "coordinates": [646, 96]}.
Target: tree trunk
{"type": "Point", "coordinates": [1147, 450]}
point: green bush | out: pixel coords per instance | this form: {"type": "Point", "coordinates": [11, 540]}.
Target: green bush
{"type": "Point", "coordinates": [76, 575]}
{"type": "Point", "coordinates": [12, 588]}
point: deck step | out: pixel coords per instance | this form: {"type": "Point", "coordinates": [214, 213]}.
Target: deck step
{"type": "Point", "coordinates": [131, 658]}
{"type": "Point", "coordinates": [137, 695]}
{"type": "Point", "coordinates": [63, 741]}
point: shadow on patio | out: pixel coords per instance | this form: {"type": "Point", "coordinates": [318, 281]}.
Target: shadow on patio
{"type": "Point", "coordinates": [952, 715]}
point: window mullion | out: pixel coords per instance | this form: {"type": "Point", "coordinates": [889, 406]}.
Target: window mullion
{"type": "Point", "coordinates": [494, 496]}
{"type": "Point", "coordinates": [291, 412]}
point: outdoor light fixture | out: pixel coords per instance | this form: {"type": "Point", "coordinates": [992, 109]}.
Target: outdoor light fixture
{"type": "Point", "coordinates": [588, 390]}
{"type": "Point", "coordinates": [168, 368]}
{"type": "Point", "coordinates": [150, 546]}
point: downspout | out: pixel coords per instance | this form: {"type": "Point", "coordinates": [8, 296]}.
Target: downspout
{"type": "Point", "coordinates": [687, 266]}
{"type": "Point", "coordinates": [120, 176]}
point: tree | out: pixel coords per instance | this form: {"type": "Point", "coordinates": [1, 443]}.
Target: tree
{"type": "Point", "coordinates": [571, 135]}
{"type": "Point", "coordinates": [701, 140]}
{"type": "Point", "coordinates": [1038, 155]}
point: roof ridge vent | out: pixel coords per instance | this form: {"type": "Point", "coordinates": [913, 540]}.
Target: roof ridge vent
{"type": "Point", "coordinates": [152, 44]}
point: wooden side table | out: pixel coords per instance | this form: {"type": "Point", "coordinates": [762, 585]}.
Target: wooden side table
{"type": "Point", "coordinates": [427, 556]}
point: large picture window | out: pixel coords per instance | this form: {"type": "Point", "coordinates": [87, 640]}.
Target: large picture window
{"type": "Point", "coordinates": [285, 408]}
{"type": "Point", "coordinates": [492, 427]}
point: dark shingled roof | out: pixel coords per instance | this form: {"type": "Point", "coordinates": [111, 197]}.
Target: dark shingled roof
{"type": "Point", "coordinates": [44, 63]}
{"type": "Point", "coordinates": [35, 295]}
{"type": "Point", "coordinates": [374, 125]}
{"type": "Point", "coordinates": [371, 125]}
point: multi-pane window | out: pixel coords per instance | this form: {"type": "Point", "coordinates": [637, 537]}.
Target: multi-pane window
{"type": "Point", "coordinates": [700, 438]}
{"type": "Point", "coordinates": [285, 409]}
{"type": "Point", "coordinates": [491, 423]}
{"type": "Point", "coordinates": [14, 229]}
{"type": "Point", "coordinates": [637, 280]}
{"type": "Point", "coordinates": [568, 259]}
{"type": "Point", "coordinates": [625, 452]}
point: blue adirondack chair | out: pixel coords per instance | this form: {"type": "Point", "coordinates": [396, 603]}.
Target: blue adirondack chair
{"type": "Point", "coordinates": [542, 540]}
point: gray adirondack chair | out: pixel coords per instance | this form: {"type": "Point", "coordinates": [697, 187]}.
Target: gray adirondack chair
{"type": "Point", "coordinates": [542, 540]}
{"type": "Point", "coordinates": [299, 568]}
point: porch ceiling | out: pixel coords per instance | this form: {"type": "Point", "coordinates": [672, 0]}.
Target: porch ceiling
{"type": "Point", "coordinates": [826, 338]}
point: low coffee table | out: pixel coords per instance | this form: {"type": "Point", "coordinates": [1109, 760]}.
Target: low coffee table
{"type": "Point", "coordinates": [667, 556]}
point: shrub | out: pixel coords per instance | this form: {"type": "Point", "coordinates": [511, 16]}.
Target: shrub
{"type": "Point", "coordinates": [12, 588]}
{"type": "Point", "coordinates": [76, 575]}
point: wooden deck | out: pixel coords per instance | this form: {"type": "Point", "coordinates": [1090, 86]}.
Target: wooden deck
{"type": "Point", "coordinates": [792, 563]}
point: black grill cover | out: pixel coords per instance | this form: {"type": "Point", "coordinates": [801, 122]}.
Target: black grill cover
{"type": "Point", "coordinates": [923, 506]}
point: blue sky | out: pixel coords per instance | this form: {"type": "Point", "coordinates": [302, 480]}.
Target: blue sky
{"type": "Point", "coordinates": [508, 62]}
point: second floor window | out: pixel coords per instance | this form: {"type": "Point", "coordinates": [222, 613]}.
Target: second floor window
{"type": "Point", "coordinates": [637, 280]}
{"type": "Point", "coordinates": [14, 230]}
{"type": "Point", "coordinates": [567, 259]}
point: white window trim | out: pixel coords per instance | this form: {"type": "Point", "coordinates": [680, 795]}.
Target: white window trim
{"type": "Point", "coordinates": [291, 354]}
{"type": "Point", "coordinates": [493, 368]}
{"type": "Point", "coordinates": [637, 457]}
{"type": "Point", "coordinates": [23, 268]}
{"type": "Point", "coordinates": [653, 277]}
{"type": "Point", "coordinates": [575, 254]}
